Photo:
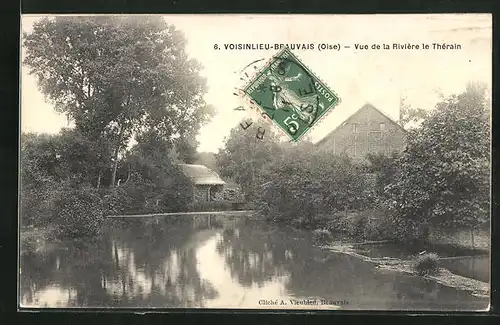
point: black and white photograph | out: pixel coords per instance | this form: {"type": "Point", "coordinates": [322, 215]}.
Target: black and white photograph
{"type": "Point", "coordinates": [255, 161]}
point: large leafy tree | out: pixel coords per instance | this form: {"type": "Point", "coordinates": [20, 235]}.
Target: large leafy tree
{"type": "Point", "coordinates": [244, 156]}
{"type": "Point", "coordinates": [445, 170]}
{"type": "Point", "coordinates": [116, 77]}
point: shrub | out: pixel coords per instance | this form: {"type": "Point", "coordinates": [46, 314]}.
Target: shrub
{"type": "Point", "coordinates": [338, 224]}
{"type": "Point", "coordinates": [427, 264]}
{"type": "Point", "coordinates": [116, 201]}
{"type": "Point", "coordinates": [358, 226]}
{"type": "Point", "coordinates": [380, 227]}
{"type": "Point", "coordinates": [78, 212]}
{"type": "Point", "coordinates": [302, 185]}
{"type": "Point", "coordinates": [322, 236]}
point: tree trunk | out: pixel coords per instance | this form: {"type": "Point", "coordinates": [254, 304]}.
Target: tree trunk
{"type": "Point", "coordinates": [99, 179]}
{"type": "Point", "coordinates": [128, 176]}
{"type": "Point", "coordinates": [472, 238]}
{"type": "Point", "coordinates": [115, 156]}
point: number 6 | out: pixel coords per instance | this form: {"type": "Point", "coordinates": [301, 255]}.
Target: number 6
{"type": "Point", "coordinates": [293, 126]}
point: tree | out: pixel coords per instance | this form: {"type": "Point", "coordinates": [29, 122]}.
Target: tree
{"type": "Point", "coordinates": [445, 169]}
{"type": "Point", "coordinates": [115, 77]}
{"type": "Point", "coordinates": [409, 116]}
{"type": "Point", "coordinates": [244, 157]}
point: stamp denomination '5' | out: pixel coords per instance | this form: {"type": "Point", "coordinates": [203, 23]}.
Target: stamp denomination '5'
{"type": "Point", "coordinates": [290, 94]}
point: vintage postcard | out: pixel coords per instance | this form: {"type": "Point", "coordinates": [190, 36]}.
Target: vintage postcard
{"type": "Point", "coordinates": [269, 162]}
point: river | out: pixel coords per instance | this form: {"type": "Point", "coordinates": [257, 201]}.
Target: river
{"type": "Point", "coordinates": [218, 262]}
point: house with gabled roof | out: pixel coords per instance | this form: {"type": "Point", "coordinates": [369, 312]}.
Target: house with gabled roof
{"type": "Point", "coordinates": [206, 184]}
{"type": "Point", "coordinates": [368, 130]}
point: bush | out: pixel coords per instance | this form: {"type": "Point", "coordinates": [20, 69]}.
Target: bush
{"type": "Point", "coordinates": [380, 227]}
{"type": "Point", "coordinates": [78, 212]}
{"type": "Point", "coordinates": [300, 186]}
{"type": "Point", "coordinates": [338, 224]}
{"type": "Point", "coordinates": [36, 204]}
{"type": "Point", "coordinates": [427, 264]}
{"type": "Point", "coordinates": [116, 201]}
{"type": "Point", "coordinates": [322, 236]}
{"type": "Point", "coordinates": [359, 226]}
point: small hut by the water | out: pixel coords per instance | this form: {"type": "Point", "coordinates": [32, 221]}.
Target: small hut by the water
{"type": "Point", "coordinates": [207, 185]}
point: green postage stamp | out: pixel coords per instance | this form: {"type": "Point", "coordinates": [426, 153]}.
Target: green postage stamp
{"type": "Point", "coordinates": [290, 95]}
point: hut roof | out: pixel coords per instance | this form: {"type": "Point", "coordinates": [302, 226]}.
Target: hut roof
{"type": "Point", "coordinates": [201, 175]}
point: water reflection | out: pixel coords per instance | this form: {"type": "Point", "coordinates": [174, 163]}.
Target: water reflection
{"type": "Point", "coordinates": [217, 262]}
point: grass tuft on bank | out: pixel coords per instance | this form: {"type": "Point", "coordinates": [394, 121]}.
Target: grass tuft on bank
{"type": "Point", "coordinates": [427, 264]}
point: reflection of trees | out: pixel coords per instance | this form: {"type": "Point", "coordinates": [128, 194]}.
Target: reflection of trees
{"type": "Point", "coordinates": [147, 264]}
{"type": "Point", "coordinates": [76, 268]}
{"type": "Point", "coordinates": [154, 264]}
{"type": "Point", "coordinates": [253, 257]}
{"type": "Point", "coordinates": [255, 254]}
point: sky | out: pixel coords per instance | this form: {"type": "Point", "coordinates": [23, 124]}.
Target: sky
{"type": "Point", "coordinates": [379, 77]}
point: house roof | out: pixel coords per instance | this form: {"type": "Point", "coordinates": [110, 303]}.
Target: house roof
{"type": "Point", "coordinates": [201, 175]}
{"type": "Point", "coordinates": [366, 106]}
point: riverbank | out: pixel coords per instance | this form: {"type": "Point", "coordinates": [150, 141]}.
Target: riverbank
{"type": "Point", "coordinates": [444, 276]}
{"type": "Point", "coordinates": [234, 213]}
{"type": "Point", "coordinates": [37, 239]}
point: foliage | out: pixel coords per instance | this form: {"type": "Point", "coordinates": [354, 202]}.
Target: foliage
{"type": "Point", "coordinates": [117, 202]}
{"type": "Point", "coordinates": [410, 116]}
{"type": "Point", "coordinates": [78, 211]}
{"type": "Point", "coordinates": [39, 185]}
{"type": "Point", "coordinates": [303, 184]}
{"type": "Point", "coordinates": [444, 178]}
{"type": "Point", "coordinates": [244, 157]}
{"type": "Point", "coordinates": [118, 76]}
{"type": "Point", "coordinates": [385, 167]}
{"type": "Point", "coordinates": [359, 226]}
{"type": "Point", "coordinates": [427, 264]}
{"type": "Point", "coordinates": [322, 236]}
{"type": "Point", "coordinates": [155, 183]}
{"type": "Point", "coordinates": [338, 223]}
{"type": "Point", "coordinates": [379, 227]}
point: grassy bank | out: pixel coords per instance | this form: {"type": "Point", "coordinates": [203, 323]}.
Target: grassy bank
{"type": "Point", "coordinates": [35, 239]}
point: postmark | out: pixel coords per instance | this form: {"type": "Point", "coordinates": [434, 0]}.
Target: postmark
{"type": "Point", "coordinates": [290, 95]}
{"type": "Point", "coordinates": [244, 77]}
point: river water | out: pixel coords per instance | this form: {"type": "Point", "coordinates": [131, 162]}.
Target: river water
{"type": "Point", "coordinates": [218, 262]}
